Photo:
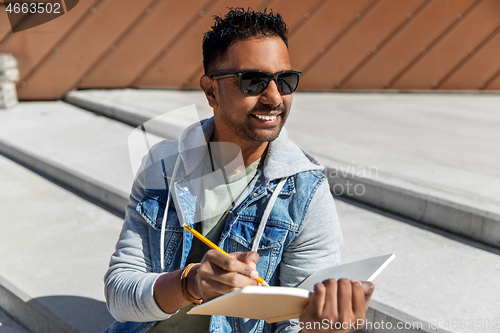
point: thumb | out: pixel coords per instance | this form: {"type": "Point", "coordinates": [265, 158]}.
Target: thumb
{"type": "Point", "coordinates": [368, 289]}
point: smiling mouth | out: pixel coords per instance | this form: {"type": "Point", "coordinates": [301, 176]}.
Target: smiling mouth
{"type": "Point", "coordinates": [267, 118]}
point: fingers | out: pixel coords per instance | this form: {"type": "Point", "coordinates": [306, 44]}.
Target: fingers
{"type": "Point", "coordinates": [368, 289]}
{"type": "Point", "coordinates": [331, 301]}
{"type": "Point", "coordinates": [236, 263]}
{"type": "Point", "coordinates": [317, 300]}
{"type": "Point", "coordinates": [358, 299]}
{"type": "Point", "coordinates": [220, 274]}
{"type": "Point", "coordinates": [250, 257]}
{"type": "Point", "coordinates": [344, 297]}
{"type": "Point", "coordinates": [343, 302]}
{"type": "Point", "coordinates": [225, 276]}
{"type": "Point", "coordinates": [211, 284]}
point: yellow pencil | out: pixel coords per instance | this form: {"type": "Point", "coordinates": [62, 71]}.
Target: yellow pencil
{"type": "Point", "coordinates": [215, 247]}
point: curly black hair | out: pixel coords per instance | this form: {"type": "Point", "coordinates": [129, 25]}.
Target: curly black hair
{"type": "Point", "coordinates": [239, 24]}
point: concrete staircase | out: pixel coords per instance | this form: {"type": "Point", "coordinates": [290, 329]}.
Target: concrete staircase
{"type": "Point", "coordinates": [8, 325]}
{"type": "Point", "coordinates": [69, 185]}
{"type": "Point", "coordinates": [429, 157]}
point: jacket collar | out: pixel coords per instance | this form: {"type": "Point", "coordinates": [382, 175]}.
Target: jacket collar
{"type": "Point", "coordinates": [284, 157]}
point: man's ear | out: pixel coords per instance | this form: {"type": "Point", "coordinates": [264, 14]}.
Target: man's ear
{"type": "Point", "coordinates": [208, 86]}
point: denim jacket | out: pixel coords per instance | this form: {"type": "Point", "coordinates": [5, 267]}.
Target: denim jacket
{"type": "Point", "coordinates": [300, 236]}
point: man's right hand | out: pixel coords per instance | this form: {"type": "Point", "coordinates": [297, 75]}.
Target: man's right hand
{"type": "Point", "coordinates": [219, 274]}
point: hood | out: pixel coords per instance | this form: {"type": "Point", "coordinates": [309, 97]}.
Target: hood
{"type": "Point", "coordinates": [284, 157]}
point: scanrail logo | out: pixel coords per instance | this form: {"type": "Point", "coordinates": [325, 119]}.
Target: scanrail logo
{"type": "Point", "coordinates": [28, 14]}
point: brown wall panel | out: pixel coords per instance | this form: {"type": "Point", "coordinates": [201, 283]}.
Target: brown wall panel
{"type": "Point", "coordinates": [477, 71]}
{"type": "Point", "coordinates": [4, 25]}
{"type": "Point", "coordinates": [194, 80]}
{"type": "Point", "coordinates": [373, 28]}
{"type": "Point", "coordinates": [294, 12]}
{"type": "Point", "coordinates": [323, 26]}
{"type": "Point", "coordinates": [423, 28]}
{"type": "Point", "coordinates": [386, 41]}
{"type": "Point", "coordinates": [85, 44]}
{"type": "Point", "coordinates": [495, 83]}
{"type": "Point", "coordinates": [331, 41]}
{"type": "Point", "coordinates": [148, 39]}
{"type": "Point", "coordinates": [436, 63]}
{"type": "Point", "coordinates": [184, 58]}
{"type": "Point", "coordinates": [31, 46]}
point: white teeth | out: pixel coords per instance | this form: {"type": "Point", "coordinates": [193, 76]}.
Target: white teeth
{"type": "Point", "coordinates": [265, 117]}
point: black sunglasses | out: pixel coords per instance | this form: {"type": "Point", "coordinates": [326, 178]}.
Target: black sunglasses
{"type": "Point", "coordinates": [254, 82]}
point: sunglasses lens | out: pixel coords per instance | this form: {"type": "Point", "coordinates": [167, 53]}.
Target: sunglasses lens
{"type": "Point", "coordinates": [253, 83]}
{"type": "Point", "coordinates": [288, 82]}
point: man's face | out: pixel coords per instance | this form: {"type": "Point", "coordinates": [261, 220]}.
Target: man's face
{"type": "Point", "coordinates": [252, 118]}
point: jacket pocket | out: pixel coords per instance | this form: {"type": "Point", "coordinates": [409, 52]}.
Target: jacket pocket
{"type": "Point", "coordinates": [244, 230]}
{"type": "Point", "coordinates": [152, 209]}
{"type": "Point", "coordinates": [242, 235]}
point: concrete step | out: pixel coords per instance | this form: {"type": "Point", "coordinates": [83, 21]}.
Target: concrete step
{"type": "Point", "coordinates": [433, 281]}
{"type": "Point", "coordinates": [72, 147]}
{"type": "Point", "coordinates": [54, 249]}
{"type": "Point", "coordinates": [430, 157]}
{"type": "Point", "coordinates": [9, 325]}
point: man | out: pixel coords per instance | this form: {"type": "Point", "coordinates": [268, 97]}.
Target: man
{"type": "Point", "coordinates": [285, 211]}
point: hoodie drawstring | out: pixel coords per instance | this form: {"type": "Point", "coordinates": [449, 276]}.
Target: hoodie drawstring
{"type": "Point", "coordinates": [258, 235]}
{"type": "Point", "coordinates": [265, 216]}
{"type": "Point", "coordinates": [164, 222]}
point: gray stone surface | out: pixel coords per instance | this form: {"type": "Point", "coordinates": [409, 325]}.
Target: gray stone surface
{"type": "Point", "coordinates": [431, 157]}
{"type": "Point", "coordinates": [9, 325]}
{"type": "Point", "coordinates": [135, 107]}
{"type": "Point", "coordinates": [54, 249]}
{"type": "Point", "coordinates": [433, 279]}
{"type": "Point", "coordinates": [82, 150]}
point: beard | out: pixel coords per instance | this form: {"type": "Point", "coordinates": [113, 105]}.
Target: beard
{"type": "Point", "coordinates": [248, 129]}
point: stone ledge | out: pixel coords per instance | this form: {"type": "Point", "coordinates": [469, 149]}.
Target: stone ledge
{"type": "Point", "coordinates": [473, 218]}
{"type": "Point", "coordinates": [426, 264]}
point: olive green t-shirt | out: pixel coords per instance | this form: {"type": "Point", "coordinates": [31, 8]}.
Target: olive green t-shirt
{"type": "Point", "coordinates": [216, 194]}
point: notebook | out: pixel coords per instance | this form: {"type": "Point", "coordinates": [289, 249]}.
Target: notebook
{"type": "Point", "coordinates": [274, 304]}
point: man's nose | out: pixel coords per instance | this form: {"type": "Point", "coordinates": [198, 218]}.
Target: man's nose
{"type": "Point", "coordinates": [271, 95]}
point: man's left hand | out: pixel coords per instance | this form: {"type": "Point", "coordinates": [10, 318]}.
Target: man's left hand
{"type": "Point", "coordinates": [337, 306]}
